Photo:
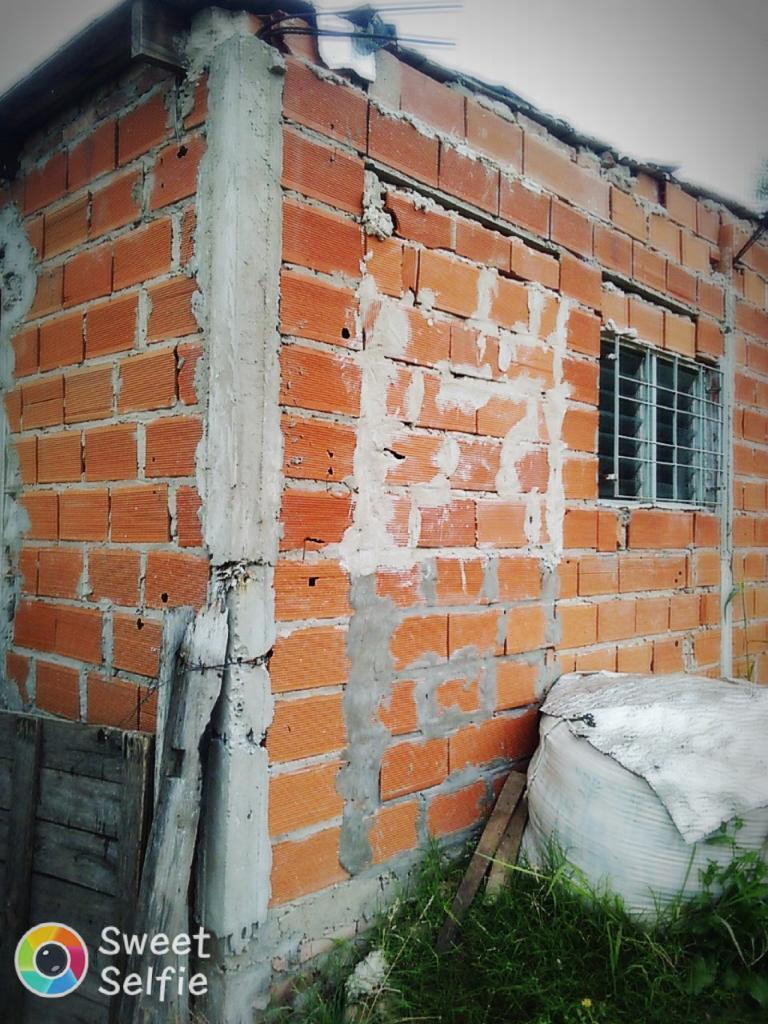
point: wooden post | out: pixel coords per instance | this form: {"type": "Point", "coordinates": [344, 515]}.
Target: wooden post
{"type": "Point", "coordinates": [163, 904]}
{"type": "Point", "coordinates": [24, 789]}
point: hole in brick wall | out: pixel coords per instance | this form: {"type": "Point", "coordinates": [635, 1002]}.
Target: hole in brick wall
{"type": "Point", "coordinates": [139, 624]}
{"type": "Point", "coordinates": [346, 333]}
{"type": "Point", "coordinates": [164, 598]}
{"type": "Point", "coordinates": [395, 455]}
{"type": "Point", "coordinates": [312, 581]}
{"type": "Point", "coordinates": [182, 151]}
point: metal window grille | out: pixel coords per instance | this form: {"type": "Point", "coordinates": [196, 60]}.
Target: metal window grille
{"type": "Point", "coordinates": [660, 436]}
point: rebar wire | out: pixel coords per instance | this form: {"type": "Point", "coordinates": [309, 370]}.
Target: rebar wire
{"type": "Point", "coordinates": [394, 9]}
{"type": "Point", "coordinates": [329, 33]}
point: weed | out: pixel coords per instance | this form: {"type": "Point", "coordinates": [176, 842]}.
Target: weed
{"type": "Point", "coordinates": [551, 949]}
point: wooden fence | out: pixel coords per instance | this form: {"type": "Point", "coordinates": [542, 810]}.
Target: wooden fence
{"type": "Point", "coordinates": [74, 814]}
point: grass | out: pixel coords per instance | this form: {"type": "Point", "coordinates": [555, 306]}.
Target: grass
{"type": "Point", "coordinates": [550, 950]}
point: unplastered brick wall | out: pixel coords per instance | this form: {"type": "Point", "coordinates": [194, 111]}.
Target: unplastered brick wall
{"type": "Point", "coordinates": [449, 270]}
{"type": "Point", "coordinates": [103, 410]}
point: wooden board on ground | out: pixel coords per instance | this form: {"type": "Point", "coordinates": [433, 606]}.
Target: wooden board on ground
{"type": "Point", "coordinates": [508, 848]}
{"type": "Point", "coordinates": [485, 850]}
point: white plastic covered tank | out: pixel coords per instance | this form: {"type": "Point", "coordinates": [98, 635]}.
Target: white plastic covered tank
{"type": "Point", "coordinates": [633, 773]}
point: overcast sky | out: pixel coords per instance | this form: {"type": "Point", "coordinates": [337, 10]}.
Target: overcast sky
{"type": "Point", "coordinates": [675, 81]}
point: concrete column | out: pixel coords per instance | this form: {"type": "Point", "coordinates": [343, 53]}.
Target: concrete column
{"type": "Point", "coordinates": [240, 467]}
{"type": "Point", "coordinates": [726, 502]}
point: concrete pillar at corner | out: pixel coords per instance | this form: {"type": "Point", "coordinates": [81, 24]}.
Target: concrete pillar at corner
{"type": "Point", "coordinates": [240, 464]}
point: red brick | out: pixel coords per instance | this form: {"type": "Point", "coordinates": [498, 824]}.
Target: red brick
{"type": "Point", "coordinates": [320, 172]}
{"type": "Point", "coordinates": [645, 572]}
{"type": "Point", "coordinates": [578, 625]}
{"type": "Point", "coordinates": [48, 293]}
{"type": "Point", "coordinates": [306, 590]}
{"type": "Point", "coordinates": [679, 334]}
{"type": "Point", "coordinates": [429, 227]}
{"type": "Point", "coordinates": [681, 206]}
{"type": "Point", "coordinates": [709, 338]}
{"type": "Point", "coordinates": [175, 172]}
{"type": "Point", "coordinates": [111, 326]}
{"type": "Point", "coordinates": [522, 206]}
{"type": "Point", "coordinates": [584, 332]}
{"type": "Point", "coordinates": [582, 380]}
{"type": "Point", "coordinates": [417, 639]}
{"type": "Point", "coordinates": [142, 129]}
{"type": "Point", "coordinates": [66, 228]}
{"type": "Point", "coordinates": [681, 284]}
{"type": "Point", "coordinates": [58, 690]}
{"type": "Point", "coordinates": [92, 157]}
{"type": "Point", "coordinates": [696, 253]}
{"type": "Point", "coordinates": [25, 352]}
{"type": "Point", "coordinates": [509, 305]}
{"type": "Point", "coordinates": [171, 444]}
{"type": "Point", "coordinates": [627, 214]}
{"type": "Point", "coordinates": [508, 736]}
{"type": "Point", "coordinates": [613, 250]}
{"type": "Point", "coordinates": [143, 253]}
{"type": "Point", "coordinates": [110, 452]}
{"type": "Point", "coordinates": [311, 308]}
{"type": "Point", "coordinates": [321, 241]}
{"type": "Point", "coordinates": [481, 245]}
{"type": "Point", "coordinates": [59, 458]}
{"type": "Point", "coordinates": [598, 576]}
{"type": "Point", "coordinates": [526, 629]}
{"type": "Point", "coordinates": [299, 868]}
{"type": "Point", "coordinates": [45, 184]}
{"type": "Point", "coordinates": [318, 380]}
{"type": "Point", "coordinates": [431, 101]}
{"type": "Point", "coordinates": [140, 515]}
{"type": "Point", "coordinates": [317, 449]}
{"type": "Point", "coordinates": [306, 727]}
{"type": "Point", "coordinates": [42, 507]}
{"type": "Point", "coordinates": [634, 659]}
{"type": "Point", "coordinates": [667, 656]}
{"type": "Point", "coordinates": [452, 812]}
{"type": "Point", "coordinates": [88, 275]}
{"type": "Point", "coordinates": [83, 515]}
{"type": "Point", "coordinates": [17, 670]}
{"type": "Point", "coordinates": [312, 519]}
{"type": "Point", "coordinates": [59, 572]}
{"type": "Point", "coordinates": [27, 569]}
{"type": "Point", "coordinates": [189, 529]}
{"type": "Point", "coordinates": [399, 144]}
{"type": "Point", "coordinates": [581, 281]}
{"type": "Point", "coordinates": [88, 394]}
{"type": "Point", "coordinates": [333, 109]}
{"type": "Point", "coordinates": [300, 799]}
{"type": "Point", "coordinates": [532, 265]}
{"type": "Point", "coordinates": [649, 268]}
{"type": "Point", "coordinates": [550, 167]}
{"type": "Point", "coordinates": [61, 341]}
{"type": "Point", "coordinates": [615, 620]}
{"type": "Point", "coordinates": [649, 528]}
{"type": "Point", "coordinates": [112, 702]}
{"type": "Point", "coordinates": [501, 524]}
{"type": "Point", "coordinates": [665, 235]}
{"type": "Point", "coordinates": [413, 767]}
{"type": "Point", "coordinates": [78, 633]}
{"type": "Point", "coordinates": [26, 451]}
{"type": "Point", "coordinates": [580, 430]}
{"type": "Point", "coordinates": [518, 578]}
{"type": "Point", "coordinates": [116, 204]}
{"type": "Point", "coordinates": [176, 579]}
{"type": "Point", "coordinates": [684, 611]}
{"type": "Point", "coordinates": [710, 298]}
{"type": "Point", "coordinates": [136, 644]}
{"type": "Point", "coordinates": [451, 525]}
{"type": "Point", "coordinates": [515, 684]}
{"type": "Point", "coordinates": [469, 179]}
{"type": "Point", "coordinates": [474, 630]}
{"type": "Point", "coordinates": [309, 658]}
{"type": "Point", "coordinates": [42, 403]}
{"type": "Point", "coordinates": [148, 381]}
{"type": "Point", "coordinates": [497, 138]}
{"type": "Point", "coordinates": [113, 575]}
{"type": "Point", "coordinates": [647, 319]}
{"type": "Point", "coordinates": [580, 528]}
{"type": "Point", "coordinates": [571, 229]}
{"type": "Point", "coordinates": [394, 831]}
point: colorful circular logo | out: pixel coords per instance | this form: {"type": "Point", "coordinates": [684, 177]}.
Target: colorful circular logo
{"type": "Point", "coordinates": [51, 960]}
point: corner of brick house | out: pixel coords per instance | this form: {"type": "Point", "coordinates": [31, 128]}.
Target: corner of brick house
{"type": "Point", "coordinates": [360, 356]}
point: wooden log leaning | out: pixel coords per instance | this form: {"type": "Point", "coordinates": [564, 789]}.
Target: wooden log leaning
{"type": "Point", "coordinates": [163, 903]}
{"type": "Point", "coordinates": [485, 850]}
{"type": "Point", "coordinates": [509, 847]}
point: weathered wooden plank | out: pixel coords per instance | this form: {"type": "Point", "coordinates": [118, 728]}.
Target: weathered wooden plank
{"type": "Point", "coordinates": [4, 828]}
{"type": "Point", "coordinates": [163, 897]}
{"type": "Point", "coordinates": [478, 865]}
{"type": "Point", "coordinates": [6, 772]}
{"type": "Point", "coordinates": [134, 820]}
{"type": "Point", "coordinates": [7, 729]}
{"type": "Point", "coordinates": [92, 805]}
{"type": "Point", "coordinates": [26, 773]}
{"type": "Point", "coordinates": [80, 857]}
{"type": "Point", "coordinates": [85, 910]}
{"type": "Point", "coordinates": [87, 750]}
{"type": "Point", "coordinates": [175, 624]}
{"type": "Point", "coordinates": [508, 849]}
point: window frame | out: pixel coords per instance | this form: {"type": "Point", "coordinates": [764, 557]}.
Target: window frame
{"type": "Point", "coordinates": [707, 456]}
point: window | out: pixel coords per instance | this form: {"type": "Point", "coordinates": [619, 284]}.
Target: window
{"type": "Point", "coordinates": [660, 426]}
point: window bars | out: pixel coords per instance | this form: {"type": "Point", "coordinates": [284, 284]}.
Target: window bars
{"type": "Point", "coordinates": [660, 434]}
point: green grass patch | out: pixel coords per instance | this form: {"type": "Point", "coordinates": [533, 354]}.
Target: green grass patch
{"type": "Point", "coordinates": [551, 950]}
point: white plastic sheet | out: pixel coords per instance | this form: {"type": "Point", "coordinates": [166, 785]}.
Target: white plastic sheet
{"type": "Point", "coordinates": [632, 774]}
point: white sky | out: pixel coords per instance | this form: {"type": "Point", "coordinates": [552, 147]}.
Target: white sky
{"type": "Point", "coordinates": [676, 81]}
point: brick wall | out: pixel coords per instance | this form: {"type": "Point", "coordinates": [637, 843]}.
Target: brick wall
{"type": "Point", "coordinates": [104, 414]}
{"type": "Point", "coordinates": [510, 252]}
{"type": "Point", "coordinates": [443, 551]}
